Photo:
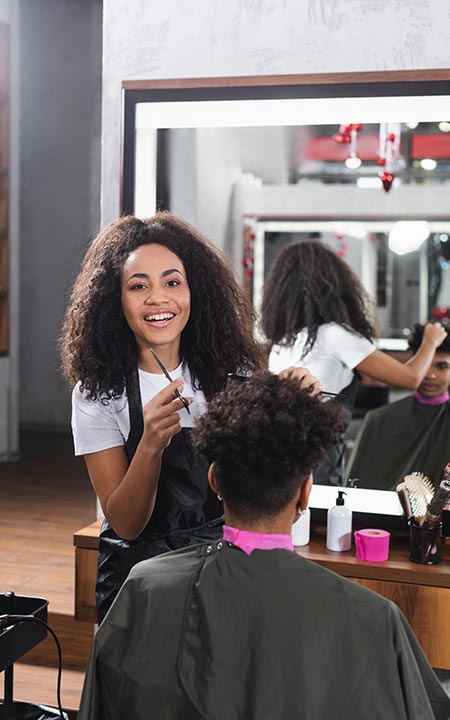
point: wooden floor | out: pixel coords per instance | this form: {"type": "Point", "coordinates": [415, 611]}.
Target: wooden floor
{"type": "Point", "coordinates": [45, 498]}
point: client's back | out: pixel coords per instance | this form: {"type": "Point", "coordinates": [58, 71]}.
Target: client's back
{"type": "Point", "coordinates": [245, 629]}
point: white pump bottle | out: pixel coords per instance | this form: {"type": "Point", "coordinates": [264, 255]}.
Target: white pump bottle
{"type": "Point", "coordinates": [339, 525]}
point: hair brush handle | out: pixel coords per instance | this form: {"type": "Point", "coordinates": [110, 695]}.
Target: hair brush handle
{"type": "Point", "coordinates": [438, 502]}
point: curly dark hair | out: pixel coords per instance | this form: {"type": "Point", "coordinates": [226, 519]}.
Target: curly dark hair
{"type": "Point", "coordinates": [416, 337]}
{"type": "Point", "coordinates": [97, 346]}
{"type": "Point", "coordinates": [265, 435]}
{"type": "Point", "coordinates": [309, 285]}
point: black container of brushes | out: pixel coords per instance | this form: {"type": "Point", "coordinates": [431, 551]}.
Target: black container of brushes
{"type": "Point", "coordinates": [445, 525]}
{"type": "Point", "coordinates": [425, 543]}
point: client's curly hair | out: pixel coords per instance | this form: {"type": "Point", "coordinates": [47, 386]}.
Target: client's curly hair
{"type": "Point", "coordinates": [265, 435]}
{"type": "Point", "coordinates": [99, 349]}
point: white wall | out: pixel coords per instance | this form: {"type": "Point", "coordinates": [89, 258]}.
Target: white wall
{"type": "Point", "coordinates": [320, 200]}
{"type": "Point", "coordinates": [159, 39]}
{"type": "Point", "coordinates": [205, 163]}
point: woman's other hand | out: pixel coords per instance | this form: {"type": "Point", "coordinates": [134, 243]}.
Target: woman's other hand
{"type": "Point", "coordinates": [161, 416]}
{"type": "Point", "coordinates": [306, 380]}
{"type": "Point", "coordinates": [409, 375]}
{"type": "Point", "coordinates": [434, 333]}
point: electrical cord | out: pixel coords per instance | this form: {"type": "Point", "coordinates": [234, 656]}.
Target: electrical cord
{"type": "Point", "coordinates": [6, 620]}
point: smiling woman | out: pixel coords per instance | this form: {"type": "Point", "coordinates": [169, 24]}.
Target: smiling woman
{"type": "Point", "coordinates": [150, 285]}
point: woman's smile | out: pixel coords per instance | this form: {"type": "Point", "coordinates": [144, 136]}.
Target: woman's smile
{"type": "Point", "coordinates": [161, 319]}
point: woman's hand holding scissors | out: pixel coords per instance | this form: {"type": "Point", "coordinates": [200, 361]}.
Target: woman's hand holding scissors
{"type": "Point", "coordinates": [161, 416]}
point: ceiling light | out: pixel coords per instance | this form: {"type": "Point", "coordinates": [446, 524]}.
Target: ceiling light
{"type": "Point", "coordinates": [428, 164]}
{"type": "Point", "coordinates": [412, 125]}
{"type": "Point", "coordinates": [444, 126]}
{"type": "Point", "coordinates": [408, 235]}
{"type": "Point", "coordinates": [352, 163]}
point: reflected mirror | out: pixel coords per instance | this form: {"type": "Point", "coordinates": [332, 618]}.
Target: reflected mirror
{"type": "Point", "coordinates": [263, 162]}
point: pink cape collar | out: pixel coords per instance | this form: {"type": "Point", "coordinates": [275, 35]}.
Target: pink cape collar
{"type": "Point", "coordinates": [431, 401]}
{"type": "Point", "coordinates": [249, 541]}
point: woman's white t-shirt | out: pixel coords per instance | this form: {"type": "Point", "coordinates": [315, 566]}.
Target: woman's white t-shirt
{"type": "Point", "coordinates": [97, 426]}
{"type": "Point", "coordinates": [335, 354]}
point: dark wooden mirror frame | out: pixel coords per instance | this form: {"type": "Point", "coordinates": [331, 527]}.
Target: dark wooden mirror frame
{"type": "Point", "coordinates": [261, 87]}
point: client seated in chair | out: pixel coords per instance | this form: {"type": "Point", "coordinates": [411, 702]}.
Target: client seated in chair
{"type": "Point", "coordinates": [410, 435]}
{"type": "Point", "coordinates": [244, 628]}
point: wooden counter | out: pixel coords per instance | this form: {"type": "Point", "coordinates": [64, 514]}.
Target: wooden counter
{"type": "Point", "coordinates": [422, 592]}
{"type": "Point", "coordinates": [86, 556]}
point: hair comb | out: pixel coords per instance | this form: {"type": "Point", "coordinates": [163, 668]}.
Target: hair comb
{"type": "Point", "coordinates": [415, 494]}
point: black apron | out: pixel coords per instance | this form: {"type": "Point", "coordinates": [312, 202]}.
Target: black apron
{"type": "Point", "coordinates": [186, 510]}
{"type": "Point", "coordinates": [331, 469]}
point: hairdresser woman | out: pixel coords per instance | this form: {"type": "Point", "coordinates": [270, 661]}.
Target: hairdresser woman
{"type": "Point", "coordinates": [154, 284]}
{"type": "Point", "coordinates": [316, 313]}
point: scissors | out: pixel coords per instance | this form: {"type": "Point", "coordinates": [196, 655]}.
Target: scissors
{"type": "Point", "coordinates": [324, 393]}
{"type": "Point", "coordinates": [177, 392]}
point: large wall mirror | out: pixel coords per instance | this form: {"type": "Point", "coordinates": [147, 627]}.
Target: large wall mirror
{"type": "Point", "coordinates": [257, 162]}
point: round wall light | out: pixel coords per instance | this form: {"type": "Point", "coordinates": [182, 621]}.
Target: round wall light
{"type": "Point", "coordinates": [428, 164]}
{"type": "Point", "coordinates": [352, 163]}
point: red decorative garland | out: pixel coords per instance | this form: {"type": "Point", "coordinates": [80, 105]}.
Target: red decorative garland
{"type": "Point", "coordinates": [388, 152]}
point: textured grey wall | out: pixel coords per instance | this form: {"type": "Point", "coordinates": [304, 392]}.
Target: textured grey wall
{"type": "Point", "coordinates": [60, 184]}
{"type": "Point", "coordinates": [174, 38]}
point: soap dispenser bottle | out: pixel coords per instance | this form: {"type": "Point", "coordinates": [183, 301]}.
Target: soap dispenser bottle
{"type": "Point", "coordinates": [339, 525]}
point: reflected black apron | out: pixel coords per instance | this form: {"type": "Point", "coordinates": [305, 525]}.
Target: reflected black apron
{"type": "Point", "coordinates": [186, 510]}
{"type": "Point", "coordinates": [331, 470]}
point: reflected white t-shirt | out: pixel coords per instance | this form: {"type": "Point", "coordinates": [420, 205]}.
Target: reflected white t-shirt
{"type": "Point", "coordinates": [96, 426]}
{"type": "Point", "coordinates": [335, 354]}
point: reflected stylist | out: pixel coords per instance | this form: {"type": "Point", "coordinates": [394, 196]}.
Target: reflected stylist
{"type": "Point", "coordinates": [315, 312]}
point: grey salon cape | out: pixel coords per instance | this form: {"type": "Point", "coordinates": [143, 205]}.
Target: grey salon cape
{"type": "Point", "coordinates": [214, 634]}
{"type": "Point", "coordinates": [398, 439]}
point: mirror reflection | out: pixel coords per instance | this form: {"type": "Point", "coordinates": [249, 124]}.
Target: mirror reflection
{"type": "Point", "coordinates": [378, 196]}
